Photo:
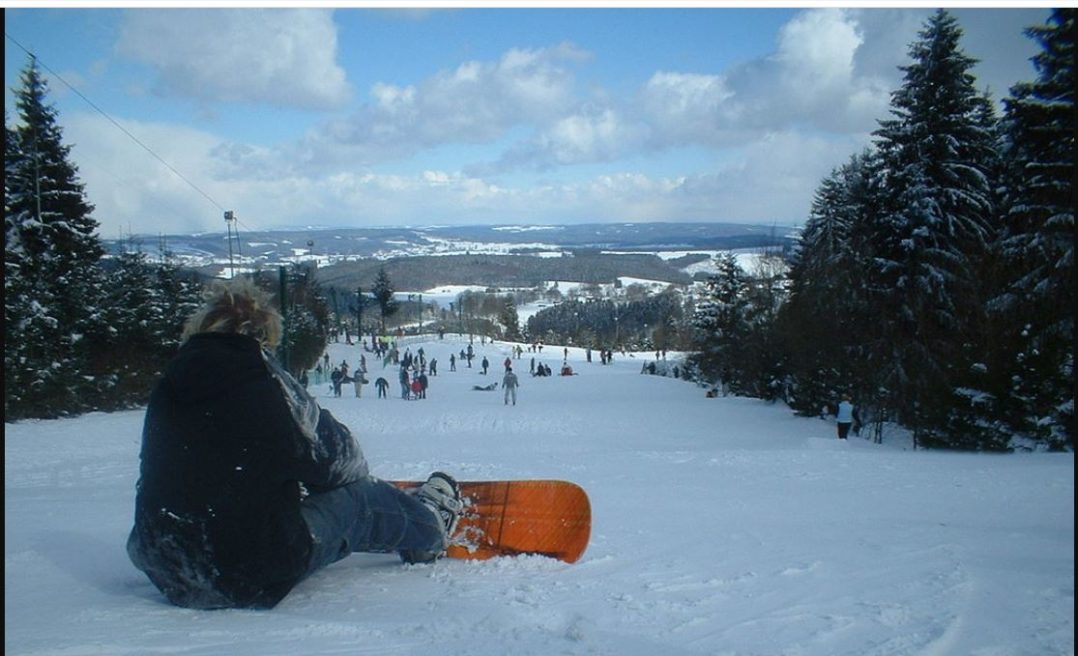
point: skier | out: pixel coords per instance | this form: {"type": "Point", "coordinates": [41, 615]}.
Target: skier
{"type": "Point", "coordinates": [485, 364]}
{"type": "Point", "coordinates": [247, 486]}
{"type": "Point", "coordinates": [510, 384]}
{"type": "Point", "coordinates": [382, 385]}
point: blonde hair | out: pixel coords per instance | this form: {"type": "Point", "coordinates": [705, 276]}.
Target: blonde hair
{"type": "Point", "coordinates": [236, 306]}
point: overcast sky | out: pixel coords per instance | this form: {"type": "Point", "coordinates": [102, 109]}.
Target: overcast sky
{"type": "Point", "coordinates": [377, 117]}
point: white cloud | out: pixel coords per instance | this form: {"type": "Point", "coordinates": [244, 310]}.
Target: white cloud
{"type": "Point", "coordinates": [476, 102]}
{"type": "Point", "coordinates": [686, 108]}
{"type": "Point", "coordinates": [594, 134]}
{"type": "Point", "coordinates": [820, 44]}
{"type": "Point", "coordinates": [812, 81]}
{"type": "Point", "coordinates": [282, 57]}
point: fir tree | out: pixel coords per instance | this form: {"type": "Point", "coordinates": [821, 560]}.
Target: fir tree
{"type": "Point", "coordinates": [934, 229]}
{"type": "Point", "coordinates": [721, 322]}
{"type": "Point", "coordinates": [383, 295]}
{"type": "Point", "coordinates": [126, 356]}
{"type": "Point", "coordinates": [1036, 307]}
{"type": "Point", "coordinates": [307, 320]}
{"type": "Point", "coordinates": [179, 294]}
{"type": "Point", "coordinates": [818, 285]}
{"type": "Point", "coordinates": [509, 319]}
{"type": "Point", "coordinates": [51, 257]}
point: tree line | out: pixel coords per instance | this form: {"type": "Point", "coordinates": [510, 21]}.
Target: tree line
{"type": "Point", "coordinates": [934, 279]}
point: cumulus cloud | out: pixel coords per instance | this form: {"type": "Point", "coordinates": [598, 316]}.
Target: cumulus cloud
{"type": "Point", "coordinates": [592, 134]}
{"type": "Point", "coordinates": [812, 80]}
{"type": "Point", "coordinates": [281, 57]}
{"type": "Point", "coordinates": [475, 102]}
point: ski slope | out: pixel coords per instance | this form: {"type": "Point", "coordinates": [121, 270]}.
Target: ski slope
{"type": "Point", "coordinates": [721, 526]}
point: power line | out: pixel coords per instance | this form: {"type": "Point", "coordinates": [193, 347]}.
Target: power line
{"type": "Point", "coordinates": [114, 122]}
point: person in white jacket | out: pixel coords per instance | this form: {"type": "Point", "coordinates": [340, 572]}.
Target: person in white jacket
{"type": "Point", "coordinates": [844, 416]}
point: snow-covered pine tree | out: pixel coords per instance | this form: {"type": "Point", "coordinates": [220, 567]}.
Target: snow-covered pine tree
{"type": "Point", "coordinates": [53, 252]}
{"type": "Point", "coordinates": [307, 320]}
{"type": "Point", "coordinates": [28, 324]}
{"type": "Point", "coordinates": [829, 329]}
{"type": "Point", "coordinates": [127, 355]}
{"type": "Point", "coordinates": [383, 294]}
{"type": "Point", "coordinates": [819, 283]}
{"type": "Point", "coordinates": [932, 235]}
{"type": "Point", "coordinates": [509, 319]}
{"type": "Point", "coordinates": [720, 322]}
{"type": "Point", "coordinates": [1037, 244]}
{"type": "Point", "coordinates": [179, 294]}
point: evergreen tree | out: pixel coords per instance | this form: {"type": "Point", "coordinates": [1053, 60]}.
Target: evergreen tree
{"type": "Point", "coordinates": [818, 321]}
{"type": "Point", "coordinates": [721, 322]}
{"type": "Point", "coordinates": [51, 255]}
{"type": "Point", "coordinates": [383, 295]}
{"type": "Point", "coordinates": [933, 232]}
{"type": "Point", "coordinates": [1036, 307]}
{"type": "Point", "coordinates": [126, 354]}
{"type": "Point", "coordinates": [178, 295]}
{"type": "Point", "coordinates": [510, 320]}
{"type": "Point", "coordinates": [307, 320]}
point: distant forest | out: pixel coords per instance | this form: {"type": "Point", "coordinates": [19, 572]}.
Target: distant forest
{"type": "Point", "coordinates": [504, 271]}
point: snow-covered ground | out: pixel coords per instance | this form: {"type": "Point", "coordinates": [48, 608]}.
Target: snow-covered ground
{"type": "Point", "coordinates": [721, 526]}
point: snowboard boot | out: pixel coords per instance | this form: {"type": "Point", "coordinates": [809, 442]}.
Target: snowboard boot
{"type": "Point", "coordinates": [442, 495]}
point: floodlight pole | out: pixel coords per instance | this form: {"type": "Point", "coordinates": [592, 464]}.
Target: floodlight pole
{"type": "Point", "coordinates": [229, 218]}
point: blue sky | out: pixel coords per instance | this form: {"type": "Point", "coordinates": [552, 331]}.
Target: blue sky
{"type": "Point", "coordinates": [347, 116]}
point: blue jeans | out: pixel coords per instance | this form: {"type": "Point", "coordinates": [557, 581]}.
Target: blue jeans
{"type": "Point", "coordinates": [370, 515]}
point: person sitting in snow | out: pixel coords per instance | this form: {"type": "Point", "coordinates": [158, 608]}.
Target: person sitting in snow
{"type": "Point", "coordinates": [246, 486]}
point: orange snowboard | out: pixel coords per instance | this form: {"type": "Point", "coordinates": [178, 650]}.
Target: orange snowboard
{"type": "Point", "coordinates": [507, 518]}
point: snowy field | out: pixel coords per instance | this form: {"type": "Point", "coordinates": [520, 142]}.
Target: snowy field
{"type": "Point", "coordinates": [721, 526]}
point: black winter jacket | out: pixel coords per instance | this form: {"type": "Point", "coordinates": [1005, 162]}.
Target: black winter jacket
{"type": "Point", "coordinates": [230, 446]}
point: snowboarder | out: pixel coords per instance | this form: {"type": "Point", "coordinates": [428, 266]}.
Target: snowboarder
{"type": "Point", "coordinates": [510, 384]}
{"type": "Point", "coordinates": [247, 486]}
{"type": "Point", "coordinates": [844, 416]}
{"type": "Point", "coordinates": [382, 385]}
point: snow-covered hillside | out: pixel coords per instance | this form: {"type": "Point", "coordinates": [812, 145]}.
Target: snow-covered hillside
{"type": "Point", "coordinates": [721, 526]}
